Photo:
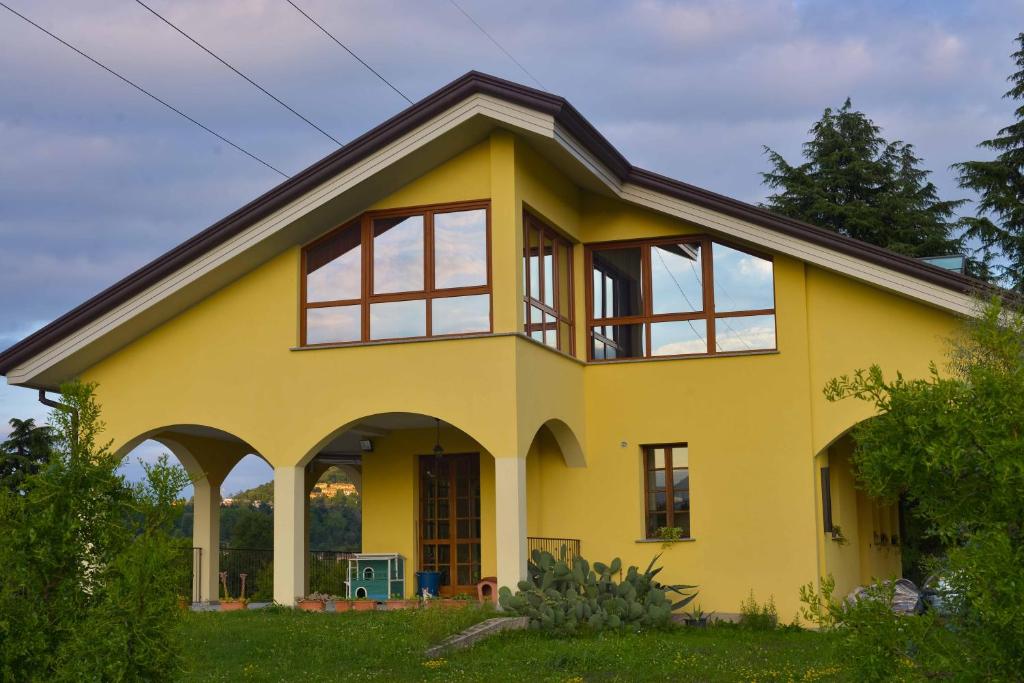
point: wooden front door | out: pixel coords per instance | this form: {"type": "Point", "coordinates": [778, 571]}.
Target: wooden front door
{"type": "Point", "coordinates": [450, 519]}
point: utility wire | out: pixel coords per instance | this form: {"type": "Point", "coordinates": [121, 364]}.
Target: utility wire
{"type": "Point", "coordinates": [248, 80]}
{"type": "Point", "coordinates": [346, 49]}
{"type": "Point", "coordinates": [144, 91]}
{"type": "Point", "coordinates": [496, 43]}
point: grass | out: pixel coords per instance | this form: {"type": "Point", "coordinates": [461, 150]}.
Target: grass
{"type": "Point", "coordinates": [283, 645]}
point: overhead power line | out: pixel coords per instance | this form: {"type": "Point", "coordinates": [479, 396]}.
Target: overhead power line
{"type": "Point", "coordinates": [496, 43]}
{"type": "Point", "coordinates": [247, 79]}
{"type": "Point", "coordinates": [346, 49]}
{"type": "Point", "coordinates": [144, 91]}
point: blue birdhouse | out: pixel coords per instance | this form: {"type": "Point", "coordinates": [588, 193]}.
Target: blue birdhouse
{"type": "Point", "coordinates": [375, 576]}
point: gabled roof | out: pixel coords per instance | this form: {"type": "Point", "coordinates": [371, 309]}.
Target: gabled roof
{"type": "Point", "coordinates": [565, 117]}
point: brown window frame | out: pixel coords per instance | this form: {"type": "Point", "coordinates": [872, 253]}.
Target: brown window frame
{"type": "Point", "coordinates": [559, 243]}
{"type": "Point", "coordinates": [428, 293]}
{"type": "Point", "coordinates": [647, 452]}
{"type": "Point", "coordinates": [708, 314]}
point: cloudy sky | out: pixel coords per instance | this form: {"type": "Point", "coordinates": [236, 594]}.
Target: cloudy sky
{"type": "Point", "coordinates": [96, 180]}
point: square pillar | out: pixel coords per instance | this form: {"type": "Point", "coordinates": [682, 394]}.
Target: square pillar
{"type": "Point", "coordinates": [206, 537]}
{"type": "Point", "coordinates": [289, 534]}
{"type": "Point", "coordinates": [510, 520]}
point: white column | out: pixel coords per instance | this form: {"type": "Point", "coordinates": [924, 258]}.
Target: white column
{"type": "Point", "coordinates": [305, 543]}
{"type": "Point", "coordinates": [510, 519]}
{"type": "Point", "coordinates": [289, 534]}
{"type": "Point", "coordinates": [206, 535]}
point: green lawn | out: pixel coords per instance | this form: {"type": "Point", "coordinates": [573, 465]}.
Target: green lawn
{"type": "Point", "coordinates": [281, 645]}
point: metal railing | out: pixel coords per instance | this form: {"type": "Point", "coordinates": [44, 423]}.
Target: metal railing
{"type": "Point", "coordinates": [327, 573]}
{"type": "Point", "coordinates": [554, 546]}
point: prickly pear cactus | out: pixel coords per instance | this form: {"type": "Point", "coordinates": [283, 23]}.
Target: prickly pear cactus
{"type": "Point", "coordinates": [564, 597]}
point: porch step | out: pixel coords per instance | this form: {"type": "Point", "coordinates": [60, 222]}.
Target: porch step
{"type": "Point", "coordinates": [477, 632]}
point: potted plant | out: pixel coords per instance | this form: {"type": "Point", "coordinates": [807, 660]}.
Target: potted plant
{"type": "Point", "coordinates": [697, 617]}
{"type": "Point", "coordinates": [314, 602]}
{"type": "Point", "coordinates": [229, 604]}
{"type": "Point", "coordinates": [396, 601]}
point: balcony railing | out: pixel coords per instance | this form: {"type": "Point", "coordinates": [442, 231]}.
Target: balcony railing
{"type": "Point", "coordinates": [554, 546]}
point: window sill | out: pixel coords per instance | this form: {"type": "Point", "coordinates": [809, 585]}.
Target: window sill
{"type": "Point", "coordinates": [694, 356]}
{"type": "Point", "coordinates": [689, 539]}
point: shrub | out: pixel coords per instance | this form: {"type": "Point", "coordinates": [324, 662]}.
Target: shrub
{"type": "Point", "coordinates": [758, 617]}
{"type": "Point", "coordinates": [562, 598]}
{"type": "Point", "coordinates": [89, 575]}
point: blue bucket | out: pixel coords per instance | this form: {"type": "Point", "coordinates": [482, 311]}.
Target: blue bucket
{"type": "Point", "coordinates": [429, 581]}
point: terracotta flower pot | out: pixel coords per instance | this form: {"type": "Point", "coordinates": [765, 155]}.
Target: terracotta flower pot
{"type": "Point", "coordinates": [312, 605]}
{"type": "Point", "coordinates": [398, 603]}
{"type": "Point", "coordinates": [364, 605]}
{"type": "Point", "coordinates": [342, 605]}
{"type": "Point", "coordinates": [232, 605]}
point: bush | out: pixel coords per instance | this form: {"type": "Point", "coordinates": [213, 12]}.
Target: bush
{"type": "Point", "coordinates": [563, 598]}
{"type": "Point", "coordinates": [89, 575]}
{"type": "Point", "coordinates": [757, 617]}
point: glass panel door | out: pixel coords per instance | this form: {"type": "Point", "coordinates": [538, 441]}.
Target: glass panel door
{"type": "Point", "coordinates": [450, 519]}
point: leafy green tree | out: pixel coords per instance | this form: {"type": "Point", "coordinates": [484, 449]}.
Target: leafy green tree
{"type": "Point", "coordinates": [26, 448]}
{"type": "Point", "coordinates": [951, 443]}
{"type": "Point", "coordinates": [89, 574]}
{"type": "Point", "coordinates": [858, 184]}
{"type": "Point", "coordinates": [999, 221]}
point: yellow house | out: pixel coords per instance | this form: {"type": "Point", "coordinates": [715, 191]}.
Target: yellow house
{"type": "Point", "coordinates": [506, 333]}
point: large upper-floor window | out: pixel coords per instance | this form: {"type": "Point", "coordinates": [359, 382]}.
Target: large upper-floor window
{"type": "Point", "coordinates": [678, 297]}
{"type": "Point", "coordinates": [400, 274]}
{"type": "Point", "coordinates": [547, 278]}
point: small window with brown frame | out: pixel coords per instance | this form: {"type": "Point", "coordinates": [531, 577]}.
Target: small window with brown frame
{"type": "Point", "coordinates": [547, 285]}
{"type": "Point", "coordinates": [678, 296]}
{"type": "Point", "coordinates": [399, 274]}
{"type": "Point", "coordinates": [667, 491]}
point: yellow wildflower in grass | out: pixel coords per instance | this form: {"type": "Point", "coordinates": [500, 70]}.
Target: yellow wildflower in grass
{"type": "Point", "coordinates": [434, 663]}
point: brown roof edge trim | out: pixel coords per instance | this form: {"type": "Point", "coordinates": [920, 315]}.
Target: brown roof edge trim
{"type": "Point", "coordinates": [469, 84]}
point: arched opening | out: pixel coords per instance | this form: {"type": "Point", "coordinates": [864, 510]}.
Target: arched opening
{"type": "Point", "coordinates": [862, 538]}
{"type": "Point", "coordinates": [425, 490]}
{"type": "Point", "coordinates": [554, 463]}
{"type": "Point", "coordinates": [227, 511]}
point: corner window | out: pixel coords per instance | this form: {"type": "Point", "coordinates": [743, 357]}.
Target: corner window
{"type": "Point", "coordinates": [678, 297]}
{"type": "Point", "coordinates": [667, 490]}
{"type": "Point", "coordinates": [399, 275]}
{"type": "Point", "coordinates": [547, 278]}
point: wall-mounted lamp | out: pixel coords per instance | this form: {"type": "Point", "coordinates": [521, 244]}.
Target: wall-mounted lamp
{"type": "Point", "coordinates": [366, 445]}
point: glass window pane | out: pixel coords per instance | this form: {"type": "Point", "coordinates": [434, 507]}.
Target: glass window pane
{"type": "Point", "coordinates": [550, 331]}
{"type": "Point", "coordinates": [681, 479]}
{"type": "Point", "coordinates": [563, 305]}
{"type": "Point", "coordinates": [533, 249]}
{"type": "Point", "coordinates": [659, 501]}
{"type": "Point", "coordinates": [617, 341]}
{"type": "Point", "coordinates": [398, 319]}
{"type": "Point", "coordinates": [747, 333]}
{"type": "Point", "coordinates": [398, 254]}
{"type": "Point", "coordinates": [461, 314]}
{"type": "Point", "coordinates": [537, 324]}
{"type": "Point", "coordinates": [333, 324]}
{"type": "Point", "coordinates": [679, 337]}
{"type": "Point", "coordinates": [656, 479]}
{"type": "Point", "coordinates": [680, 501]}
{"type": "Point", "coordinates": [549, 271]}
{"type": "Point", "coordinates": [680, 456]}
{"type": "Point", "coordinates": [676, 278]}
{"type": "Point", "coordinates": [334, 267]}
{"type": "Point", "coordinates": [656, 459]}
{"type": "Point", "coordinates": [655, 522]}
{"type": "Point", "coordinates": [460, 249]}
{"type": "Point", "coordinates": [619, 292]}
{"type": "Point", "coordinates": [743, 282]}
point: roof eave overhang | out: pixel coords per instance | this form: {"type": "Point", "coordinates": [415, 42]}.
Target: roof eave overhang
{"type": "Point", "coordinates": [392, 153]}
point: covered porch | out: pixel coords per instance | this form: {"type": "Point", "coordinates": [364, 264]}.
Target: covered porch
{"type": "Point", "coordinates": [430, 494]}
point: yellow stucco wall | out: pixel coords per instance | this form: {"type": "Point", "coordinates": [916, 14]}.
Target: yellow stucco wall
{"type": "Point", "coordinates": [757, 426]}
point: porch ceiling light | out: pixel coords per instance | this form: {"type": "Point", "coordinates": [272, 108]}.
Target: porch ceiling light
{"type": "Point", "coordinates": [366, 445]}
{"type": "Point", "coordinates": [438, 449]}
